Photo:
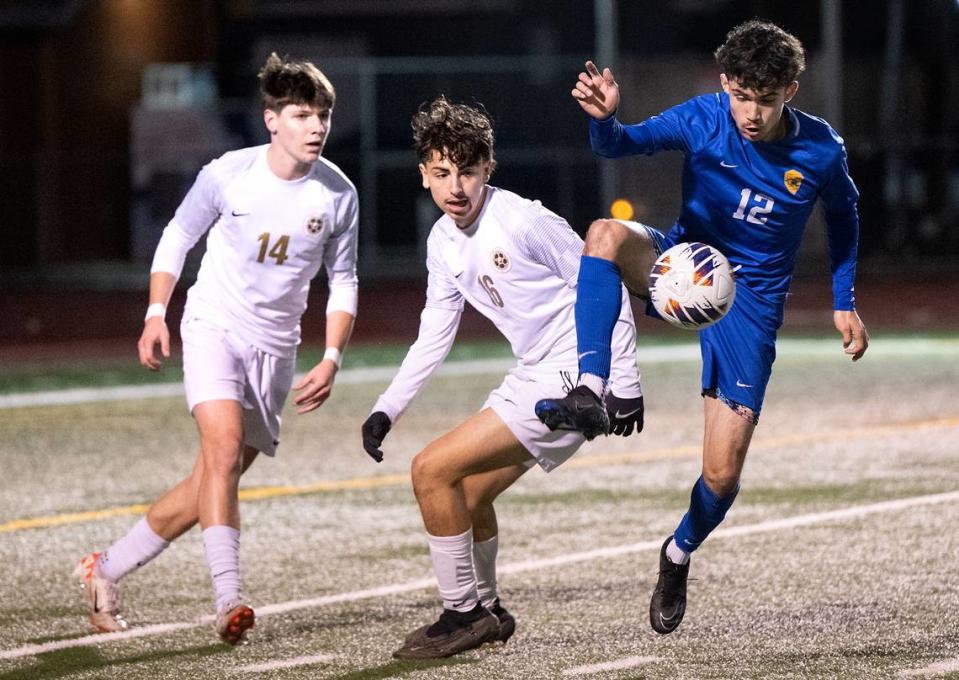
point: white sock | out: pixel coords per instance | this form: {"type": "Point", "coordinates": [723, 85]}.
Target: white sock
{"type": "Point", "coordinates": [139, 546]}
{"type": "Point", "coordinates": [484, 563]}
{"type": "Point", "coordinates": [593, 382]}
{"type": "Point", "coordinates": [675, 554]}
{"type": "Point", "coordinates": [222, 544]}
{"type": "Point", "coordinates": [453, 567]}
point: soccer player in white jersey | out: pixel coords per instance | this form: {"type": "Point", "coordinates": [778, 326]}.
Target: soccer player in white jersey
{"type": "Point", "coordinates": [516, 263]}
{"type": "Point", "coordinates": [275, 214]}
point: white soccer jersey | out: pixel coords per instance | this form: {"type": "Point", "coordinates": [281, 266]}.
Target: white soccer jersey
{"type": "Point", "coordinates": [517, 264]}
{"type": "Point", "coordinates": [268, 239]}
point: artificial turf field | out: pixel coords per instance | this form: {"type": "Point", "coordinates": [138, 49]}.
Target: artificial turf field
{"type": "Point", "coordinates": [837, 560]}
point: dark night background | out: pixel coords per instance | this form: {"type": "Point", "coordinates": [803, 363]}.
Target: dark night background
{"type": "Point", "coordinates": [95, 154]}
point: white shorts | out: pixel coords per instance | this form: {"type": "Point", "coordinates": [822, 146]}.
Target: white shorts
{"type": "Point", "coordinates": [514, 401]}
{"type": "Point", "coordinates": [218, 365]}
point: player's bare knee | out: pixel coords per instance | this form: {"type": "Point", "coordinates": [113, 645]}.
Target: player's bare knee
{"type": "Point", "coordinates": [605, 239]}
{"type": "Point", "coordinates": [425, 473]}
{"type": "Point", "coordinates": [222, 459]}
{"type": "Point", "coordinates": [479, 505]}
{"type": "Point", "coordinates": [721, 481]}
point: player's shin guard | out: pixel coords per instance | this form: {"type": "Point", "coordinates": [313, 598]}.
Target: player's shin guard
{"type": "Point", "coordinates": [453, 566]}
{"type": "Point", "coordinates": [706, 511]}
{"type": "Point", "coordinates": [598, 303]}
{"type": "Point", "coordinates": [484, 564]}
{"type": "Point", "coordinates": [222, 546]}
{"type": "Point", "coordinates": [140, 545]}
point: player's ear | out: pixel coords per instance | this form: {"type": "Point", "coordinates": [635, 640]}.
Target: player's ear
{"type": "Point", "coordinates": [792, 89]}
{"type": "Point", "coordinates": [424, 176]}
{"type": "Point", "coordinates": [724, 81]}
{"type": "Point", "coordinates": [270, 120]}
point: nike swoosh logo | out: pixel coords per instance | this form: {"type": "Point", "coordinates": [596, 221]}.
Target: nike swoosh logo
{"type": "Point", "coordinates": [586, 354]}
{"type": "Point", "coordinates": [668, 623]}
{"type": "Point", "coordinates": [727, 165]}
{"type": "Point", "coordinates": [618, 414]}
{"type": "Point", "coordinates": [236, 214]}
{"type": "Point", "coordinates": [740, 384]}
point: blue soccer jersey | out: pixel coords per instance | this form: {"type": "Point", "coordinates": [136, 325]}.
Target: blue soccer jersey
{"type": "Point", "coordinates": [751, 199]}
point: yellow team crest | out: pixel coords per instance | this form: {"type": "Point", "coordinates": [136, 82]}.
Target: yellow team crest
{"type": "Point", "coordinates": [793, 180]}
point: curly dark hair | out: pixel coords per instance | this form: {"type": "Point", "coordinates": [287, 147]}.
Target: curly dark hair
{"type": "Point", "coordinates": [285, 82]}
{"type": "Point", "coordinates": [464, 134]}
{"type": "Point", "coordinates": [760, 55]}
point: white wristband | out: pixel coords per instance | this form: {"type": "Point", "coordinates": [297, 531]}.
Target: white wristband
{"type": "Point", "coordinates": [155, 309]}
{"type": "Point", "coordinates": [334, 355]}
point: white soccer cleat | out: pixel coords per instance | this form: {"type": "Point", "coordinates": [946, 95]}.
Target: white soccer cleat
{"type": "Point", "coordinates": [101, 596]}
{"type": "Point", "coordinates": [234, 623]}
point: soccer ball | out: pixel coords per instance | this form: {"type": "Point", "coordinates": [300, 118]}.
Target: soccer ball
{"type": "Point", "coordinates": [692, 285]}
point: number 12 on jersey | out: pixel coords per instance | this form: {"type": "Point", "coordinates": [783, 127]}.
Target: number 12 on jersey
{"type": "Point", "coordinates": [277, 252]}
{"type": "Point", "coordinates": [758, 213]}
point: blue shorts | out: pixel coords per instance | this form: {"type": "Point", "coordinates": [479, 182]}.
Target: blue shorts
{"type": "Point", "coordinates": [739, 350]}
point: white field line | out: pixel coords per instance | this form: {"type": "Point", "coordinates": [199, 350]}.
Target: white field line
{"type": "Point", "coordinates": [287, 663]}
{"type": "Point", "coordinates": [349, 376]}
{"type": "Point", "coordinates": [618, 665]}
{"type": "Point", "coordinates": [516, 567]}
{"type": "Point", "coordinates": [654, 354]}
{"type": "Point", "coordinates": [938, 668]}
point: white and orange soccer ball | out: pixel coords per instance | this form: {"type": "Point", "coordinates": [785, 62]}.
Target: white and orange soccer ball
{"type": "Point", "coordinates": [692, 286]}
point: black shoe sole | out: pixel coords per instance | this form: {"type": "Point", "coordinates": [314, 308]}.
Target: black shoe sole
{"type": "Point", "coordinates": [658, 623]}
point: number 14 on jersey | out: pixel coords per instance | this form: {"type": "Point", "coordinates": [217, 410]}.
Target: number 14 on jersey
{"type": "Point", "coordinates": [277, 252]}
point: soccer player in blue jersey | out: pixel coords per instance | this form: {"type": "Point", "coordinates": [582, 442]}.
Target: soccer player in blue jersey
{"type": "Point", "coordinates": [754, 169]}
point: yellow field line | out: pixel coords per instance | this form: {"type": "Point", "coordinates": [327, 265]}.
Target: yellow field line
{"type": "Point", "coordinates": [265, 492]}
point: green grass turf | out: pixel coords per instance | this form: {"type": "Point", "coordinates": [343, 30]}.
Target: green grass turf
{"type": "Point", "coordinates": [862, 597]}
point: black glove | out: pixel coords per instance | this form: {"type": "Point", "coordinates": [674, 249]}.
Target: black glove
{"type": "Point", "coordinates": [624, 414]}
{"type": "Point", "coordinates": [375, 429]}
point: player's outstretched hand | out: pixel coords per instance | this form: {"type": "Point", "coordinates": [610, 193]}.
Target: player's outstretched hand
{"type": "Point", "coordinates": [597, 94]}
{"type": "Point", "coordinates": [855, 338]}
{"type": "Point", "coordinates": [375, 429]}
{"type": "Point", "coordinates": [624, 414]}
{"type": "Point", "coordinates": [315, 387]}
{"type": "Point", "coordinates": [155, 332]}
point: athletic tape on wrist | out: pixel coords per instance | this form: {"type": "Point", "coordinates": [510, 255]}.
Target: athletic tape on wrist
{"type": "Point", "coordinates": [155, 309]}
{"type": "Point", "coordinates": [334, 355]}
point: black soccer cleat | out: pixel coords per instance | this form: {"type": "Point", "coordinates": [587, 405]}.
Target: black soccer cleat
{"type": "Point", "coordinates": [453, 633]}
{"type": "Point", "coordinates": [507, 622]}
{"type": "Point", "coordinates": [668, 604]}
{"type": "Point", "coordinates": [580, 410]}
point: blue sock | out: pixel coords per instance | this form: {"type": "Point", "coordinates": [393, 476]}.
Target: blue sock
{"type": "Point", "coordinates": [706, 511]}
{"type": "Point", "coordinates": [598, 302]}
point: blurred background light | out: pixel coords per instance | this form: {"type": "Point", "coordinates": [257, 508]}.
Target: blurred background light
{"type": "Point", "coordinates": [622, 209]}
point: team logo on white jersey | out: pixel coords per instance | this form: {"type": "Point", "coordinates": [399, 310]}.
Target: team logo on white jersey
{"type": "Point", "coordinates": [501, 260]}
{"type": "Point", "coordinates": [314, 226]}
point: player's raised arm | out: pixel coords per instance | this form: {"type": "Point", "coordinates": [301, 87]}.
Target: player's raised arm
{"type": "Point", "coordinates": [597, 93]}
